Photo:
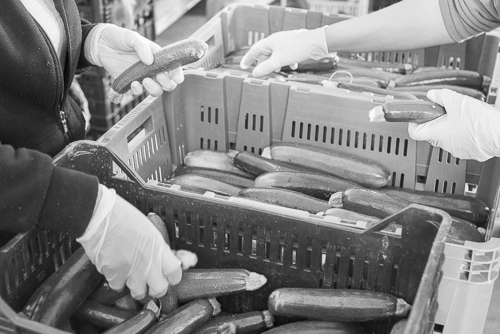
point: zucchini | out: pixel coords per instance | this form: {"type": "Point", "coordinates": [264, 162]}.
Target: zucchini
{"type": "Point", "coordinates": [185, 319]}
{"type": "Point", "coordinates": [422, 90]}
{"type": "Point", "coordinates": [335, 304]}
{"type": "Point", "coordinates": [256, 165]}
{"type": "Point", "coordinates": [55, 301]}
{"type": "Point", "coordinates": [170, 57]}
{"type": "Point", "coordinates": [209, 283]}
{"type": "Point", "coordinates": [201, 184]}
{"type": "Point", "coordinates": [287, 198]}
{"type": "Point", "coordinates": [140, 322]}
{"type": "Point", "coordinates": [245, 323]}
{"type": "Point", "coordinates": [102, 316]}
{"type": "Point", "coordinates": [375, 90]}
{"type": "Point", "coordinates": [407, 111]}
{"type": "Point", "coordinates": [378, 204]}
{"type": "Point", "coordinates": [322, 65]}
{"type": "Point", "coordinates": [365, 172]}
{"type": "Point", "coordinates": [127, 303]}
{"type": "Point", "coordinates": [215, 160]}
{"type": "Point", "coordinates": [169, 301]}
{"type": "Point", "coordinates": [462, 78]}
{"type": "Point", "coordinates": [384, 79]}
{"type": "Point", "coordinates": [103, 294]}
{"type": "Point", "coordinates": [317, 185]}
{"type": "Point", "coordinates": [318, 327]}
{"type": "Point", "coordinates": [465, 207]}
{"type": "Point", "coordinates": [227, 177]}
{"type": "Point", "coordinates": [347, 63]}
{"type": "Point", "coordinates": [224, 328]}
{"type": "Point", "coordinates": [352, 216]}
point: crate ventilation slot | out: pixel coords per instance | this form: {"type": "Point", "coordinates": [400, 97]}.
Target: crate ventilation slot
{"type": "Point", "coordinates": [255, 36]}
{"type": "Point", "coordinates": [398, 57]}
{"type": "Point", "coordinates": [451, 62]}
{"type": "Point", "coordinates": [254, 122]}
{"type": "Point", "coordinates": [206, 144]}
{"type": "Point", "coordinates": [210, 116]}
{"type": "Point", "coordinates": [252, 149]}
{"type": "Point", "coordinates": [349, 138]}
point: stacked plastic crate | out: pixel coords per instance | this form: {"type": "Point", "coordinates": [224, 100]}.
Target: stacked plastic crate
{"type": "Point", "coordinates": [137, 15]}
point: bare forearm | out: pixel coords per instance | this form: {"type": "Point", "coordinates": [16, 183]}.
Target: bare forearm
{"type": "Point", "coordinates": [406, 25]}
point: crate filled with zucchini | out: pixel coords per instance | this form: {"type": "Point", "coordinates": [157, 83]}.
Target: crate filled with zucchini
{"type": "Point", "coordinates": [400, 75]}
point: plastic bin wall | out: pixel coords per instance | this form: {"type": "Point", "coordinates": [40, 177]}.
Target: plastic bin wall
{"type": "Point", "coordinates": [223, 111]}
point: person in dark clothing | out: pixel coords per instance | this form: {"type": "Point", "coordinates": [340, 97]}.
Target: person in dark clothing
{"type": "Point", "coordinates": [44, 43]}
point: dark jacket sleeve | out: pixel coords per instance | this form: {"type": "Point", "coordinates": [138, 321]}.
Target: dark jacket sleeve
{"type": "Point", "coordinates": [83, 63]}
{"type": "Point", "coordinates": [35, 192]}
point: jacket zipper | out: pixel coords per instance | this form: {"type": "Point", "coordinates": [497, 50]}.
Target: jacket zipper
{"type": "Point", "coordinates": [61, 115]}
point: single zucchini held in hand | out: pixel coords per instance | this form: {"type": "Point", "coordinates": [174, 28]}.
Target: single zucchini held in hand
{"type": "Point", "coordinates": [407, 111]}
{"type": "Point", "coordinates": [175, 55]}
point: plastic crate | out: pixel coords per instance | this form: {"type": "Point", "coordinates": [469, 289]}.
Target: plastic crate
{"type": "Point", "coordinates": [223, 111]}
{"type": "Point", "coordinates": [289, 248]}
{"type": "Point", "coordinates": [348, 7]}
{"type": "Point", "coordinates": [241, 25]}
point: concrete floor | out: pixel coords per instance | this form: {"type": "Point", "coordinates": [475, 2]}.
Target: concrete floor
{"type": "Point", "coordinates": [194, 19]}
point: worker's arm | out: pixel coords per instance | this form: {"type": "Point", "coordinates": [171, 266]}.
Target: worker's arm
{"type": "Point", "coordinates": [406, 25]}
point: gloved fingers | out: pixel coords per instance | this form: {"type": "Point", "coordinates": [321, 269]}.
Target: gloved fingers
{"type": "Point", "coordinates": [136, 88]}
{"type": "Point", "coordinates": [171, 266]}
{"type": "Point", "coordinates": [188, 259]}
{"type": "Point", "coordinates": [175, 277]}
{"type": "Point", "coordinates": [257, 51]}
{"type": "Point", "coordinates": [144, 48]}
{"type": "Point", "coordinates": [266, 67]}
{"type": "Point", "coordinates": [294, 66]}
{"type": "Point", "coordinates": [116, 280]}
{"type": "Point", "coordinates": [177, 75]}
{"type": "Point", "coordinates": [425, 132]}
{"type": "Point", "coordinates": [152, 87]}
{"type": "Point", "coordinates": [137, 286]}
{"type": "Point", "coordinates": [166, 83]}
{"type": "Point", "coordinates": [157, 283]}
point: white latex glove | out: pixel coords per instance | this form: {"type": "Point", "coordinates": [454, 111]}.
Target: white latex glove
{"type": "Point", "coordinates": [469, 130]}
{"type": "Point", "coordinates": [285, 48]}
{"type": "Point", "coordinates": [116, 49]}
{"type": "Point", "coordinates": [128, 249]}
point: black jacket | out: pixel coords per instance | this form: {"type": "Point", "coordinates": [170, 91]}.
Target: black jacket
{"type": "Point", "coordinates": [34, 109]}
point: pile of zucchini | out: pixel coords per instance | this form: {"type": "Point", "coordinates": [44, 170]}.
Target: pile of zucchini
{"type": "Point", "coordinates": [355, 73]}
{"type": "Point", "coordinates": [322, 182]}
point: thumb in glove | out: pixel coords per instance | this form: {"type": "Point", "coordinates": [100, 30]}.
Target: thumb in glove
{"type": "Point", "coordinates": [285, 48]}
{"type": "Point", "coordinates": [128, 249]}
{"type": "Point", "coordinates": [469, 130]}
{"type": "Point", "coordinates": [116, 49]}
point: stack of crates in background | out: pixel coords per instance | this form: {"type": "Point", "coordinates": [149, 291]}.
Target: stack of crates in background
{"type": "Point", "coordinates": [137, 15]}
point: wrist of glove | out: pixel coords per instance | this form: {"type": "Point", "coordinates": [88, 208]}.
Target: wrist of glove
{"type": "Point", "coordinates": [116, 49]}
{"type": "Point", "coordinates": [285, 48]}
{"type": "Point", "coordinates": [469, 130]}
{"type": "Point", "coordinates": [128, 249]}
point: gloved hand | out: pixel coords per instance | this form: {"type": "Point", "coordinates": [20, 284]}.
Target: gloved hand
{"type": "Point", "coordinates": [469, 130]}
{"type": "Point", "coordinates": [285, 48]}
{"type": "Point", "coordinates": [128, 249]}
{"type": "Point", "coordinates": [116, 49]}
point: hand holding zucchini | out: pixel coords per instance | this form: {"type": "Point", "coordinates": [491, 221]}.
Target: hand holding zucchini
{"type": "Point", "coordinates": [170, 57]}
{"type": "Point", "coordinates": [407, 111]}
{"type": "Point", "coordinates": [336, 304]}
